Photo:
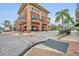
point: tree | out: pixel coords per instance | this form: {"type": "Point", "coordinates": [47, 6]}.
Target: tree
{"type": "Point", "coordinates": [60, 15]}
{"type": "Point", "coordinates": [7, 24]}
{"type": "Point", "coordinates": [67, 21]}
{"type": "Point", "coordinates": [53, 27]}
{"type": "Point", "coordinates": [64, 16]}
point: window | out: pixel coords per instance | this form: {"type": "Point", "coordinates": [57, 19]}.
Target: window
{"type": "Point", "coordinates": [44, 14]}
{"type": "Point", "coordinates": [34, 28]}
{"type": "Point", "coordinates": [32, 8]}
{"type": "Point", "coordinates": [35, 10]}
{"type": "Point", "coordinates": [34, 17]}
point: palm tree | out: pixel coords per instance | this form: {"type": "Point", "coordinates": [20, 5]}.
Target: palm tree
{"type": "Point", "coordinates": [60, 15]}
{"type": "Point", "coordinates": [64, 16]}
{"type": "Point", "coordinates": [67, 21]}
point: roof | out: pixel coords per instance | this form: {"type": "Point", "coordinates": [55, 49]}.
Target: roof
{"type": "Point", "coordinates": [34, 4]}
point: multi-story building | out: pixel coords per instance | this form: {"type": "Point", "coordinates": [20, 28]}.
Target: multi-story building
{"type": "Point", "coordinates": [32, 17]}
{"type": "Point", "coordinates": [77, 13]}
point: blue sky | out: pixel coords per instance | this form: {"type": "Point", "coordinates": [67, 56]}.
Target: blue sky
{"type": "Point", "coordinates": [9, 11]}
{"type": "Point", "coordinates": [55, 7]}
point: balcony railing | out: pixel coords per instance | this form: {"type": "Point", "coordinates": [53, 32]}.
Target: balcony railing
{"type": "Point", "coordinates": [20, 18]}
{"type": "Point", "coordinates": [42, 20]}
{"type": "Point", "coordinates": [45, 20]}
{"type": "Point", "coordinates": [38, 19]}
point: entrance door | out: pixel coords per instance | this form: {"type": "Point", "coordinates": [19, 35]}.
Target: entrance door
{"type": "Point", "coordinates": [34, 28]}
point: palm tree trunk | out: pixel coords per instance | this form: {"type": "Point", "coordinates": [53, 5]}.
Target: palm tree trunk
{"type": "Point", "coordinates": [62, 21]}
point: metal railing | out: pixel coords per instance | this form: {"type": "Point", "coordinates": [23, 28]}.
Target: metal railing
{"type": "Point", "coordinates": [38, 19]}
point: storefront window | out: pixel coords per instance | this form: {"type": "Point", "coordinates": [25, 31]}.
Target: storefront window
{"type": "Point", "coordinates": [34, 28]}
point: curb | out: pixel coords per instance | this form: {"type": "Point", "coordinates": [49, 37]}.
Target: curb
{"type": "Point", "coordinates": [27, 49]}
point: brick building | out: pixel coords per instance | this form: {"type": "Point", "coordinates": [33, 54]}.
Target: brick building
{"type": "Point", "coordinates": [32, 17]}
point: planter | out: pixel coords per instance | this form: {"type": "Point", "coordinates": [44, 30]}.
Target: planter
{"type": "Point", "coordinates": [65, 31]}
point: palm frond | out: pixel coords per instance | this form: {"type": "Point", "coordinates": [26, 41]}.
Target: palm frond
{"type": "Point", "coordinates": [58, 17]}
{"type": "Point", "coordinates": [71, 20]}
{"type": "Point", "coordinates": [65, 10]}
{"type": "Point", "coordinates": [57, 13]}
{"type": "Point", "coordinates": [66, 21]}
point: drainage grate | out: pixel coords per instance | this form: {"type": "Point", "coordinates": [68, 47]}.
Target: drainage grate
{"type": "Point", "coordinates": [61, 46]}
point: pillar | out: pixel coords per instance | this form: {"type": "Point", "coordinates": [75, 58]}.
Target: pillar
{"type": "Point", "coordinates": [40, 26]}
{"type": "Point", "coordinates": [28, 18]}
{"type": "Point", "coordinates": [47, 28]}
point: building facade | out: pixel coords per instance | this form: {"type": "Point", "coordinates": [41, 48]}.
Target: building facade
{"type": "Point", "coordinates": [77, 12]}
{"type": "Point", "coordinates": [32, 17]}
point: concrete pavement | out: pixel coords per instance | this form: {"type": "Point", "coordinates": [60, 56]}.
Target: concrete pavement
{"type": "Point", "coordinates": [12, 44]}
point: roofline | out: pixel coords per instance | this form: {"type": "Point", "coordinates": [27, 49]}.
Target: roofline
{"type": "Point", "coordinates": [34, 4]}
{"type": "Point", "coordinates": [38, 6]}
{"type": "Point", "coordinates": [20, 9]}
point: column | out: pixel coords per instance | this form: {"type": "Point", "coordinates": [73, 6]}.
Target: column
{"type": "Point", "coordinates": [28, 18]}
{"type": "Point", "coordinates": [40, 26]}
{"type": "Point", "coordinates": [47, 28]}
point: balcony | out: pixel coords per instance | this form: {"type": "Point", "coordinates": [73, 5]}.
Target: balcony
{"type": "Point", "coordinates": [36, 19]}
{"type": "Point", "coordinates": [20, 19]}
{"type": "Point", "coordinates": [45, 20]}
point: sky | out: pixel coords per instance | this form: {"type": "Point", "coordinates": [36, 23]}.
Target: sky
{"type": "Point", "coordinates": [55, 7]}
{"type": "Point", "coordinates": [8, 11]}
